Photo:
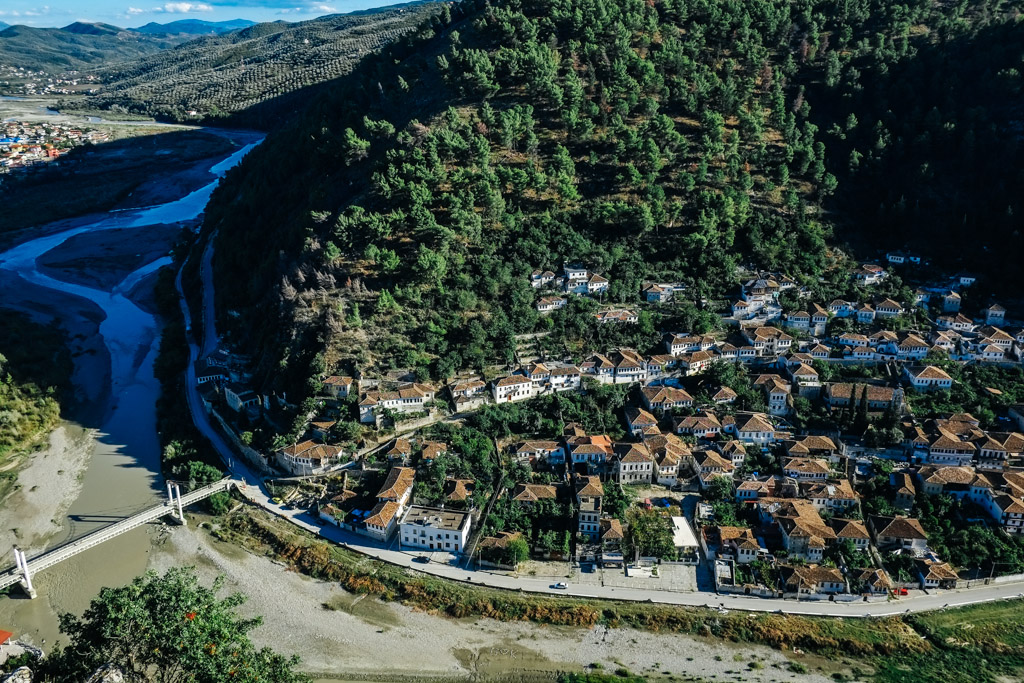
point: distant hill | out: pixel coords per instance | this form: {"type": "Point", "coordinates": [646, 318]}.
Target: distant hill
{"type": "Point", "coordinates": [92, 29]}
{"type": "Point", "coordinates": [265, 64]}
{"type": "Point", "coordinates": [3, 26]}
{"type": "Point", "coordinates": [77, 46]}
{"type": "Point", "coordinates": [194, 26]}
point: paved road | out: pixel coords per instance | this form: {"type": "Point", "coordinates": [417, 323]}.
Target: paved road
{"type": "Point", "coordinates": [258, 495]}
{"type": "Point", "coordinates": [209, 306]}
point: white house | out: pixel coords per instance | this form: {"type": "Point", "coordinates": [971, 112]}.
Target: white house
{"type": "Point", "coordinates": [435, 529]}
{"type": "Point", "coordinates": [513, 388]}
{"type": "Point", "coordinates": [407, 398]}
{"type": "Point", "coordinates": [927, 377]}
{"type": "Point", "coordinates": [995, 315]}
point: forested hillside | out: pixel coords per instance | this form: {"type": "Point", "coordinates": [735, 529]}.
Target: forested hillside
{"type": "Point", "coordinates": [258, 73]}
{"type": "Point", "coordinates": [397, 222]}
{"type": "Point", "coordinates": [925, 137]}
{"type": "Point", "coordinates": [82, 47]}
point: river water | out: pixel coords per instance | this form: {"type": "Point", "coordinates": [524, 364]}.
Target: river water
{"type": "Point", "coordinates": [123, 473]}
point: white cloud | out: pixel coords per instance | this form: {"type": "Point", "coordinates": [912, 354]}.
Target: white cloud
{"type": "Point", "coordinates": [184, 7]}
{"type": "Point", "coordinates": [308, 9]}
{"type": "Point", "coordinates": [38, 12]}
{"type": "Point", "coordinates": [135, 10]}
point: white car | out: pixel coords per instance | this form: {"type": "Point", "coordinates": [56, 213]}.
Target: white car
{"type": "Point", "coordinates": [561, 585]}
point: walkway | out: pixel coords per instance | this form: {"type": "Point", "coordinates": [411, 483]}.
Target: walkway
{"type": "Point", "coordinates": [51, 557]}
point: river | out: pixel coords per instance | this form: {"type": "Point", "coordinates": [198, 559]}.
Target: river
{"type": "Point", "coordinates": [123, 470]}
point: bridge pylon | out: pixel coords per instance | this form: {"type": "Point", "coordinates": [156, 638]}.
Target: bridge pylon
{"type": "Point", "coordinates": [174, 501]}
{"type": "Point", "coordinates": [26, 575]}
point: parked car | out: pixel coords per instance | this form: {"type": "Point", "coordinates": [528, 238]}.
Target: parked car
{"type": "Point", "coordinates": [901, 591]}
{"type": "Point", "coordinates": [422, 559]}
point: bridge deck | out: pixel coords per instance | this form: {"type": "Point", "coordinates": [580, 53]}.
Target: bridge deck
{"type": "Point", "coordinates": [51, 557]}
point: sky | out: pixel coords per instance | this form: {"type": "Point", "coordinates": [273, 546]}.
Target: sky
{"type": "Point", "coordinates": [132, 13]}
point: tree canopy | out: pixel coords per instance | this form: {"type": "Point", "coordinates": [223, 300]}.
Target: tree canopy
{"type": "Point", "coordinates": [168, 628]}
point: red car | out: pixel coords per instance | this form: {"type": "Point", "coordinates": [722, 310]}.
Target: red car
{"type": "Point", "coordinates": [901, 591]}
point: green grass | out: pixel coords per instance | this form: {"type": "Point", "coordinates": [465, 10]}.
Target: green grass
{"type": "Point", "coordinates": [995, 627]}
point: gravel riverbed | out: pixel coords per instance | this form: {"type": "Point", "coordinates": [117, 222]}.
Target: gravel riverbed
{"type": "Point", "coordinates": [341, 636]}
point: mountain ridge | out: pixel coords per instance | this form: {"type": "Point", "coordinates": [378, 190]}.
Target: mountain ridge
{"type": "Point", "coordinates": [84, 46]}
{"type": "Point", "coordinates": [194, 26]}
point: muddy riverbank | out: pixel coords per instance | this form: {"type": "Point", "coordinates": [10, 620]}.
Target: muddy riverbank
{"type": "Point", "coordinates": [343, 636]}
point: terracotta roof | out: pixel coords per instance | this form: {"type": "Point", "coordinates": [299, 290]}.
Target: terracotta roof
{"type": "Point", "coordinates": [531, 493]}
{"type": "Point", "coordinates": [458, 489]}
{"type": "Point", "coordinates": [809, 444]}
{"type": "Point", "coordinates": [513, 380]}
{"type": "Point", "coordinates": [900, 527]}
{"type": "Point", "coordinates": [538, 446]}
{"type": "Point", "coordinates": [724, 393]}
{"type": "Point", "coordinates": [500, 540]}
{"type": "Point", "coordinates": [733, 447]}
{"type": "Point", "coordinates": [399, 447]}
{"type": "Point", "coordinates": [849, 528]}
{"type": "Point", "coordinates": [382, 513]}
{"type": "Point", "coordinates": [398, 482]}
{"type": "Point", "coordinates": [703, 420]}
{"type": "Point", "coordinates": [843, 390]}
{"type": "Point", "coordinates": [711, 459]}
{"type": "Point", "coordinates": [432, 449]}
{"type": "Point", "coordinates": [638, 417]}
{"type": "Point", "coordinates": [662, 395]}
{"type": "Point", "coordinates": [903, 483]}
{"type": "Point", "coordinates": [837, 489]}
{"type": "Point", "coordinates": [312, 450]}
{"type": "Point", "coordinates": [589, 486]}
{"type": "Point", "coordinates": [755, 423]}
{"type": "Point", "coordinates": [633, 453]}
{"type": "Point", "coordinates": [946, 475]}
{"type": "Point", "coordinates": [928, 372]}
{"type": "Point", "coordinates": [876, 578]}
{"type": "Point", "coordinates": [611, 529]}
{"type": "Point", "coordinates": [810, 575]}
{"type": "Point", "coordinates": [939, 571]}
{"type": "Point", "coordinates": [807, 466]}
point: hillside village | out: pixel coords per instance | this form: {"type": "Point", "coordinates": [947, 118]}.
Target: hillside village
{"type": "Point", "coordinates": [790, 452]}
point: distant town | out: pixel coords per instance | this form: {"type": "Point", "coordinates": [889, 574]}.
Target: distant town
{"type": "Point", "coordinates": [25, 146]}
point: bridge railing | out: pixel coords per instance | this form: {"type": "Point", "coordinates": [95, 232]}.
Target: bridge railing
{"type": "Point", "coordinates": [50, 557]}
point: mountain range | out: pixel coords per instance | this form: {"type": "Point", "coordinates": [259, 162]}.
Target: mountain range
{"type": "Point", "coordinates": [78, 46]}
{"type": "Point", "coordinates": [84, 45]}
{"type": "Point", "coordinates": [194, 26]}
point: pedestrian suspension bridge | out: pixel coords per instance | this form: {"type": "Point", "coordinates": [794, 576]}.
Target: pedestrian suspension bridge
{"type": "Point", "coordinates": [25, 568]}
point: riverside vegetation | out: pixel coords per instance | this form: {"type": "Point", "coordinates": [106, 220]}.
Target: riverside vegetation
{"type": "Point", "coordinates": [395, 223]}
{"type": "Point", "coordinates": [35, 371]}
